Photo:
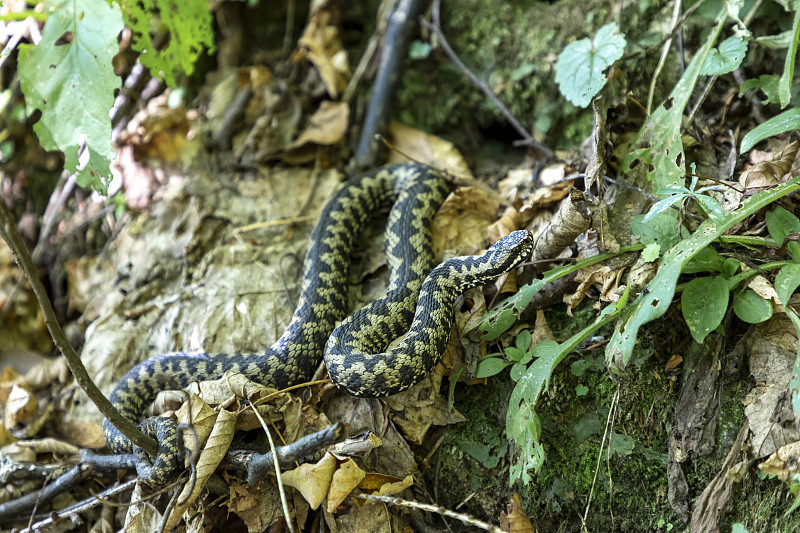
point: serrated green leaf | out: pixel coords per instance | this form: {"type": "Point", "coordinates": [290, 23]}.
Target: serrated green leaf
{"type": "Point", "coordinates": [703, 303]}
{"type": "Point", "coordinates": [73, 84]}
{"type": "Point", "coordinates": [580, 69]}
{"type": "Point", "coordinates": [726, 58]}
{"type": "Point", "coordinates": [752, 308]}
{"type": "Point", "coordinates": [781, 223]}
{"type": "Point", "coordinates": [786, 282]}
{"type": "Point", "coordinates": [490, 366]}
{"type": "Point", "coordinates": [651, 252]}
{"type": "Point", "coordinates": [786, 121]}
{"type": "Point", "coordinates": [188, 28]}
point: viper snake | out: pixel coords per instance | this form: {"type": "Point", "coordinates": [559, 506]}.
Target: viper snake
{"type": "Point", "coordinates": [419, 301]}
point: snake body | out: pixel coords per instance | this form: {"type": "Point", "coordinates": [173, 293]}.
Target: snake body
{"type": "Point", "coordinates": [353, 356]}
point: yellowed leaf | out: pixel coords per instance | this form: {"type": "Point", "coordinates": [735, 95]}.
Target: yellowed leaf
{"type": "Point", "coordinates": [770, 168]}
{"type": "Point", "coordinates": [83, 433]}
{"type": "Point", "coordinates": [425, 148]}
{"type": "Point", "coordinates": [396, 487]}
{"type": "Point", "coordinates": [784, 462]}
{"type": "Point", "coordinates": [462, 221]}
{"type": "Point", "coordinates": [345, 479]}
{"type": "Point", "coordinates": [312, 480]}
{"type": "Point", "coordinates": [20, 407]}
{"type": "Point", "coordinates": [514, 520]}
{"type": "Point", "coordinates": [320, 45]}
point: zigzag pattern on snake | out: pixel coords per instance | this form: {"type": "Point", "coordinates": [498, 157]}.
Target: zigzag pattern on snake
{"type": "Point", "coordinates": [422, 306]}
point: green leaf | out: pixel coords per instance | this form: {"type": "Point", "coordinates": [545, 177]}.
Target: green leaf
{"type": "Point", "coordinates": [515, 354]}
{"type": "Point", "coordinates": [794, 250]}
{"type": "Point", "coordinates": [704, 302]}
{"type": "Point", "coordinates": [727, 58]}
{"type": "Point", "coordinates": [522, 72]}
{"type": "Point", "coordinates": [768, 83]}
{"type": "Point", "coordinates": [729, 267]}
{"type": "Point", "coordinates": [751, 308]}
{"type": "Point", "coordinates": [657, 153]}
{"type": "Point", "coordinates": [661, 206]}
{"type": "Point", "coordinates": [706, 260]}
{"type": "Point", "coordinates": [188, 28]}
{"type": "Point", "coordinates": [490, 366]}
{"type": "Point", "coordinates": [523, 341]}
{"type": "Point", "coordinates": [776, 42]}
{"type": "Point", "coordinates": [661, 288]}
{"type": "Point", "coordinates": [651, 252]}
{"type": "Point", "coordinates": [663, 229]}
{"type": "Point", "coordinates": [517, 371]}
{"type": "Point", "coordinates": [73, 84]}
{"type": "Point", "coordinates": [581, 390]}
{"type": "Point", "coordinates": [785, 83]}
{"type": "Point", "coordinates": [781, 223]}
{"type": "Point", "coordinates": [621, 444]}
{"type": "Point", "coordinates": [710, 206]}
{"type": "Point", "coordinates": [580, 70]}
{"type": "Point", "coordinates": [738, 528]}
{"type": "Point", "coordinates": [786, 281]}
{"type": "Point", "coordinates": [786, 121]}
{"type": "Point", "coordinates": [419, 50]}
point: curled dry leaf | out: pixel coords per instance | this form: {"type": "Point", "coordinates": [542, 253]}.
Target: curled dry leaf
{"type": "Point", "coordinates": [214, 451]}
{"type": "Point", "coordinates": [770, 168]}
{"type": "Point", "coordinates": [320, 45]}
{"type": "Point", "coordinates": [326, 126]}
{"type": "Point", "coordinates": [312, 480]}
{"type": "Point", "coordinates": [385, 485]}
{"type": "Point", "coordinates": [514, 520]}
{"type": "Point", "coordinates": [345, 479]}
{"type": "Point", "coordinates": [201, 417]}
{"type": "Point", "coordinates": [20, 407]}
{"type": "Point", "coordinates": [784, 463]}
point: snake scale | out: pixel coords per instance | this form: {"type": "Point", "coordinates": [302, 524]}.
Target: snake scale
{"type": "Point", "coordinates": [353, 352]}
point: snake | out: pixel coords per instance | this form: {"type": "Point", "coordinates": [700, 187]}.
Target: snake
{"type": "Point", "coordinates": [419, 302]}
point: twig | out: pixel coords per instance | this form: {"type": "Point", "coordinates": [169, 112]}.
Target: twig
{"type": "Point", "coordinates": [281, 490]}
{"type": "Point", "coordinates": [8, 230]}
{"type": "Point", "coordinates": [391, 500]}
{"type": "Point", "coordinates": [398, 33]}
{"type": "Point", "coordinates": [436, 28]}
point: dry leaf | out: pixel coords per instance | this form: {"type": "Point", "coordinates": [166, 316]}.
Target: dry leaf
{"type": "Point", "coordinates": [462, 221]}
{"type": "Point", "coordinates": [426, 148]}
{"type": "Point", "coordinates": [20, 406]}
{"type": "Point", "coordinates": [200, 416]}
{"type": "Point", "coordinates": [83, 433]}
{"type": "Point", "coordinates": [326, 126]}
{"type": "Point", "coordinates": [771, 170]}
{"type": "Point", "coordinates": [345, 479]}
{"type": "Point", "coordinates": [312, 480]}
{"type": "Point", "coordinates": [243, 502]}
{"type": "Point", "coordinates": [213, 453]}
{"type": "Point", "coordinates": [320, 45]}
{"type": "Point", "coordinates": [784, 462]}
{"type": "Point", "coordinates": [514, 520]}
{"type": "Point", "coordinates": [673, 362]}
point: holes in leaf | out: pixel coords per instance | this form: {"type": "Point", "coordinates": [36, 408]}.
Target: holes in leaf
{"type": "Point", "coordinates": [679, 159]}
{"type": "Point", "coordinates": [65, 38]}
{"type": "Point", "coordinates": [634, 163]}
{"type": "Point", "coordinates": [668, 103]}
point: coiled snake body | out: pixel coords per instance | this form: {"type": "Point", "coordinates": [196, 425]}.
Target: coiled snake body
{"type": "Point", "coordinates": [422, 306]}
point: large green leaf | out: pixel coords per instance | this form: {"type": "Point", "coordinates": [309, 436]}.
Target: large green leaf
{"type": "Point", "coordinates": [661, 288]}
{"type": "Point", "coordinates": [73, 83]}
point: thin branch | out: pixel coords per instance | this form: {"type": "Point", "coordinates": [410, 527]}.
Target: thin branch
{"type": "Point", "coordinates": [8, 230]}
{"type": "Point", "coordinates": [436, 28]}
{"type": "Point", "coordinates": [432, 509]}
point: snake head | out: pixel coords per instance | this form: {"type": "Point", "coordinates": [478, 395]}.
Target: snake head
{"type": "Point", "coordinates": [511, 250]}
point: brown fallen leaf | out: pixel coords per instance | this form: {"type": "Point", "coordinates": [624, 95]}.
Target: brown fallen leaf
{"type": "Point", "coordinates": [784, 462]}
{"type": "Point", "coordinates": [514, 520]}
{"type": "Point", "coordinates": [769, 169]}
{"type": "Point", "coordinates": [312, 480]}
{"type": "Point", "coordinates": [425, 148]}
{"type": "Point", "coordinates": [344, 480]}
{"type": "Point", "coordinates": [214, 451]}
{"type": "Point", "coordinates": [326, 126]}
{"type": "Point", "coordinates": [320, 45]}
